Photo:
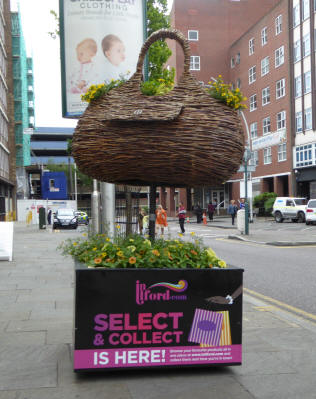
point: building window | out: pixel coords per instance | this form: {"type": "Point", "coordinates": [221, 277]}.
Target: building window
{"type": "Point", "coordinates": [254, 130]}
{"type": "Point", "coordinates": [252, 74]}
{"type": "Point", "coordinates": [279, 56]}
{"type": "Point", "coordinates": [265, 66]}
{"type": "Point", "coordinates": [298, 86]}
{"type": "Point", "coordinates": [307, 82]}
{"type": "Point", "coordinates": [266, 96]}
{"type": "Point", "coordinates": [251, 46]}
{"type": "Point", "coordinates": [266, 125]}
{"type": "Point", "coordinates": [308, 118]}
{"type": "Point", "coordinates": [296, 15]}
{"type": "Point", "coordinates": [305, 9]}
{"type": "Point", "coordinates": [298, 122]}
{"type": "Point", "coordinates": [238, 83]}
{"type": "Point", "coordinates": [282, 152]}
{"type": "Point", "coordinates": [193, 35]}
{"type": "Point", "coordinates": [195, 63]}
{"type": "Point", "coordinates": [254, 161]}
{"type": "Point", "coordinates": [304, 156]}
{"type": "Point", "coordinates": [278, 24]}
{"type": "Point", "coordinates": [297, 50]}
{"type": "Point", "coordinates": [264, 36]}
{"type": "Point", "coordinates": [281, 120]}
{"type": "Point", "coordinates": [237, 58]}
{"type": "Point", "coordinates": [253, 102]}
{"type": "Point", "coordinates": [232, 62]}
{"type": "Point", "coordinates": [280, 88]}
{"type": "Point", "coordinates": [306, 45]}
{"type": "Point", "coordinates": [267, 157]}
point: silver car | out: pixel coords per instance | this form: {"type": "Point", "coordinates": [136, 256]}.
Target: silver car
{"type": "Point", "coordinates": [310, 212]}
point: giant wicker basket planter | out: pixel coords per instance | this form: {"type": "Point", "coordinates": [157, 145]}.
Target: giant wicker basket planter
{"type": "Point", "coordinates": [183, 138]}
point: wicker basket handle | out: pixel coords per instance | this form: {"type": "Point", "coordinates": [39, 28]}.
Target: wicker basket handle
{"type": "Point", "coordinates": [165, 34]}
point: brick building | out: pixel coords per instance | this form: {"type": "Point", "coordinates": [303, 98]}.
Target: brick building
{"type": "Point", "coordinates": [267, 49]}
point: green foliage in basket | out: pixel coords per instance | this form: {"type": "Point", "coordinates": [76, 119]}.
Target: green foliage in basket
{"type": "Point", "coordinates": [97, 251]}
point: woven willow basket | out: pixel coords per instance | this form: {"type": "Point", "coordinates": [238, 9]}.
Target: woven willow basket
{"type": "Point", "coordinates": [183, 138]}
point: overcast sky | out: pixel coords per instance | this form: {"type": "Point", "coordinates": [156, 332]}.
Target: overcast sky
{"type": "Point", "coordinates": [36, 23]}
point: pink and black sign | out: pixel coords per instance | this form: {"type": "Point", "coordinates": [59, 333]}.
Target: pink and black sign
{"type": "Point", "coordinates": [157, 318]}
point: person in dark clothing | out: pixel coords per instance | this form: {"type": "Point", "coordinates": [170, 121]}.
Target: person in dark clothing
{"type": "Point", "coordinates": [232, 210]}
{"type": "Point", "coordinates": [210, 210]}
{"type": "Point", "coordinates": [181, 216]}
{"type": "Point", "coordinates": [199, 213]}
{"type": "Point", "coordinates": [49, 216]}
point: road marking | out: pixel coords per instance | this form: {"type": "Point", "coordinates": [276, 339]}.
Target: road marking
{"type": "Point", "coordinates": [281, 304]}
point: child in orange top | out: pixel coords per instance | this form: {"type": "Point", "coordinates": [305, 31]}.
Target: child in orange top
{"type": "Point", "coordinates": [161, 219]}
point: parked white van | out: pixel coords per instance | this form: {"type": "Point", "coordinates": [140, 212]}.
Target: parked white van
{"type": "Point", "coordinates": [289, 208]}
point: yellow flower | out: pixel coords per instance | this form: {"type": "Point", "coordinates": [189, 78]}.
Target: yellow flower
{"type": "Point", "coordinates": [84, 234]}
{"type": "Point", "coordinates": [103, 254]}
{"type": "Point", "coordinates": [132, 260]}
{"type": "Point", "coordinates": [107, 239]}
{"type": "Point", "coordinates": [180, 235]}
{"type": "Point", "coordinates": [97, 260]}
{"type": "Point", "coordinates": [147, 242]}
{"type": "Point", "coordinates": [192, 233]}
{"type": "Point", "coordinates": [155, 252]}
{"type": "Point", "coordinates": [94, 249]}
{"type": "Point", "coordinates": [131, 240]}
{"type": "Point", "coordinates": [222, 264]}
{"type": "Point", "coordinates": [120, 253]}
{"type": "Point", "coordinates": [132, 248]}
{"type": "Point", "coordinates": [210, 265]}
{"type": "Point", "coordinates": [74, 244]}
{"type": "Point", "coordinates": [118, 226]}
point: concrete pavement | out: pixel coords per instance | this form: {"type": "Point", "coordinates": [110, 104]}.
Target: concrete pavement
{"type": "Point", "coordinates": [36, 319]}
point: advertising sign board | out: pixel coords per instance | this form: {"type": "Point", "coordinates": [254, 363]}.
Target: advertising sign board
{"type": "Point", "coordinates": [157, 318]}
{"type": "Point", "coordinates": [100, 41]}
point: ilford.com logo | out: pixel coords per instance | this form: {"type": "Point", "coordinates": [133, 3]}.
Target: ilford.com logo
{"type": "Point", "coordinates": [167, 292]}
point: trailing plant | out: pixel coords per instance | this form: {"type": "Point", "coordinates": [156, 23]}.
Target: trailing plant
{"type": "Point", "coordinates": [226, 94]}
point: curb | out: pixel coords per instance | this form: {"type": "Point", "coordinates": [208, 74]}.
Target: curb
{"type": "Point", "coordinates": [274, 243]}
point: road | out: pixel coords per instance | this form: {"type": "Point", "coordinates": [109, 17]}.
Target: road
{"type": "Point", "coordinates": [287, 274]}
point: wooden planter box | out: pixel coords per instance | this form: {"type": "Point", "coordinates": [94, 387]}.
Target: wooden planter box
{"type": "Point", "coordinates": [141, 318]}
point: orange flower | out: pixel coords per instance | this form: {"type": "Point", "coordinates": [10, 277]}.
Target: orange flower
{"type": "Point", "coordinates": [210, 265]}
{"type": "Point", "coordinates": [155, 252]}
{"type": "Point", "coordinates": [108, 260]}
{"type": "Point", "coordinates": [132, 260]}
{"type": "Point", "coordinates": [193, 252]}
{"type": "Point", "coordinates": [97, 260]}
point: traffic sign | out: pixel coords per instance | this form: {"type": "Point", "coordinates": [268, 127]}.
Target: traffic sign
{"type": "Point", "coordinates": [250, 168]}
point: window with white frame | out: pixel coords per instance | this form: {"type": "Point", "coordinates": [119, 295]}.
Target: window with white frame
{"type": "Point", "coordinates": [252, 74]}
{"type": "Point", "coordinates": [232, 62]}
{"type": "Point", "coordinates": [305, 13]}
{"type": "Point", "coordinates": [237, 58]}
{"type": "Point", "coordinates": [281, 120]}
{"type": "Point", "coordinates": [267, 156]}
{"type": "Point", "coordinates": [251, 46]}
{"type": "Point", "coordinates": [264, 36]}
{"type": "Point", "coordinates": [195, 63]}
{"type": "Point", "coordinates": [298, 122]}
{"type": "Point", "coordinates": [254, 130]}
{"type": "Point", "coordinates": [280, 88]}
{"type": "Point", "coordinates": [279, 56]}
{"type": "Point", "coordinates": [278, 24]}
{"type": "Point", "coordinates": [296, 15]}
{"type": "Point", "coordinates": [304, 156]}
{"type": "Point", "coordinates": [282, 152]}
{"type": "Point", "coordinates": [193, 35]}
{"type": "Point", "coordinates": [307, 83]}
{"type": "Point", "coordinates": [266, 96]}
{"type": "Point", "coordinates": [238, 83]}
{"type": "Point", "coordinates": [265, 66]}
{"type": "Point", "coordinates": [298, 86]}
{"type": "Point", "coordinates": [253, 102]}
{"type": "Point", "coordinates": [297, 50]}
{"type": "Point", "coordinates": [266, 125]}
{"type": "Point", "coordinates": [306, 45]}
{"type": "Point", "coordinates": [254, 160]}
{"type": "Point", "coordinates": [308, 118]}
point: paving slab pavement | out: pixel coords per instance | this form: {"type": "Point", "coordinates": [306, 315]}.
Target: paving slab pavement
{"type": "Point", "coordinates": [36, 313]}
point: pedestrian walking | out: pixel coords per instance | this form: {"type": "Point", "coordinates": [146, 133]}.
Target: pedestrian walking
{"type": "Point", "coordinates": [161, 220]}
{"type": "Point", "coordinates": [210, 210]}
{"type": "Point", "coordinates": [242, 203]}
{"type": "Point", "coordinates": [232, 210]}
{"type": "Point", "coordinates": [181, 216]}
{"type": "Point", "coordinates": [49, 216]}
{"type": "Point", "coordinates": [140, 220]}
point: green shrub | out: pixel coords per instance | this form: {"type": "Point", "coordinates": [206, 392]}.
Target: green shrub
{"type": "Point", "coordinates": [268, 205]}
{"type": "Point", "coordinates": [259, 200]}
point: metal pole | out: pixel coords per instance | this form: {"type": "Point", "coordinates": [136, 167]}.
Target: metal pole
{"type": "Point", "coordinates": [246, 200]}
{"type": "Point", "coordinates": [108, 208]}
{"type": "Point", "coordinates": [75, 167]}
{"type": "Point", "coordinates": [152, 212]}
{"type": "Point", "coordinates": [250, 176]}
{"type": "Point", "coordinates": [95, 208]}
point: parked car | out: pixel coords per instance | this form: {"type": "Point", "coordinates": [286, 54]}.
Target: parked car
{"type": "Point", "coordinates": [289, 208]}
{"type": "Point", "coordinates": [65, 217]}
{"type": "Point", "coordinates": [310, 212]}
{"type": "Point", "coordinates": [82, 217]}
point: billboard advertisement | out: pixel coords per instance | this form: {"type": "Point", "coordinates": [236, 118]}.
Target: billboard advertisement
{"type": "Point", "coordinates": [157, 318]}
{"type": "Point", "coordinates": [100, 40]}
